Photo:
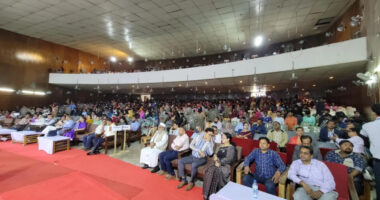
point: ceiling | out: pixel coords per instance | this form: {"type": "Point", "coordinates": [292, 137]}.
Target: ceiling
{"type": "Point", "coordinates": [156, 29]}
{"type": "Point", "coordinates": [278, 81]}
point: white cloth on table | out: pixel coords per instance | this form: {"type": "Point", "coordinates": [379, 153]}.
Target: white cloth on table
{"type": "Point", "coordinates": [6, 131]}
{"type": "Point", "coordinates": [18, 136]}
{"type": "Point", "coordinates": [234, 191]}
{"type": "Point", "coordinates": [47, 129]}
{"type": "Point", "coordinates": [46, 143]}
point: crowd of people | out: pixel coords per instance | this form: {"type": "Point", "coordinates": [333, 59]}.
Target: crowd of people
{"type": "Point", "coordinates": [215, 123]}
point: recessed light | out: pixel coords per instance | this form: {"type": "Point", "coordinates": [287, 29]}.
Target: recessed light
{"type": "Point", "coordinates": [241, 81]}
{"type": "Point", "coordinates": [314, 85]}
{"type": "Point", "coordinates": [130, 59]}
{"type": "Point", "coordinates": [302, 89]}
{"type": "Point", "coordinates": [331, 77]}
{"type": "Point", "coordinates": [258, 41]}
{"type": "Point", "coordinates": [113, 59]}
{"type": "Point", "coordinates": [206, 83]}
{"type": "Point", "coordinates": [273, 86]}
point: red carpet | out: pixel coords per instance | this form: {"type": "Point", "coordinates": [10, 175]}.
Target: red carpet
{"type": "Point", "coordinates": [27, 173]}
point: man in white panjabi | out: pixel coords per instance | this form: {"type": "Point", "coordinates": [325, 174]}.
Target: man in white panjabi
{"type": "Point", "coordinates": [158, 144]}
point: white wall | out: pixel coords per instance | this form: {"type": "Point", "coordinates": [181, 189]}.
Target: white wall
{"type": "Point", "coordinates": [338, 53]}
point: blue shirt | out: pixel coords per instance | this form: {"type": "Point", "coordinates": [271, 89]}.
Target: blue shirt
{"type": "Point", "coordinates": [266, 163]}
{"type": "Point", "coordinates": [267, 119]}
{"type": "Point", "coordinates": [258, 129]}
{"type": "Point", "coordinates": [135, 125]}
{"type": "Point", "coordinates": [68, 125]}
{"type": "Point", "coordinates": [352, 161]}
{"type": "Point", "coordinates": [239, 127]}
{"type": "Point", "coordinates": [199, 144]}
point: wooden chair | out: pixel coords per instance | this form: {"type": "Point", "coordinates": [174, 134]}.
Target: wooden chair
{"type": "Point", "coordinates": [8, 122]}
{"type": "Point", "coordinates": [344, 183]}
{"type": "Point", "coordinates": [146, 139]}
{"type": "Point", "coordinates": [109, 141]}
{"type": "Point", "coordinates": [133, 136]}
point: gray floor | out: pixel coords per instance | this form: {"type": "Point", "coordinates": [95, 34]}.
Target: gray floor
{"type": "Point", "coordinates": [130, 155]}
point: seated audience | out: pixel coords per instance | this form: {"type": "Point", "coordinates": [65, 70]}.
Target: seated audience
{"type": "Point", "coordinates": [89, 120]}
{"type": "Point", "coordinates": [79, 126]}
{"type": "Point", "coordinates": [180, 143]}
{"type": "Point", "coordinates": [290, 121]}
{"type": "Point", "coordinates": [354, 162]}
{"type": "Point", "coordinates": [279, 118]}
{"type": "Point", "coordinates": [308, 119]}
{"type": "Point", "coordinates": [278, 135]}
{"type": "Point", "coordinates": [227, 129]}
{"type": "Point", "coordinates": [306, 140]}
{"type": "Point", "coordinates": [354, 138]}
{"type": "Point", "coordinates": [100, 139]}
{"type": "Point", "coordinates": [158, 144]}
{"type": "Point", "coordinates": [324, 118]}
{"type": "Point", "coordinates": [258, 128]}
{"type": "Point", "coordinates": [88, 138]}
{"type": "Point", "coordinates": [174, 129]}
{"type": "Point", "coordinates": [67, 125]}
{"type": "Point", "coordinates": [239, 127]}
{"type": "Point", "coordinates": [297, 138]}
{"type": "Point", "coordinates": [245, 132]}
{"type": "Point", "coordinates": [135, 124]}
{"type": "Point", "coordinates": [216, 137]}
{"type": "Point", "coordinates": [313, 175]}
{"type": "Point", "coordinates": [217, 123]}
{"type": "Point", "coordinates": [202, 147]}
{"type": "Point", "coordinates": [97, 120]}
{"type": "Point", "coordinates": [268, 164]}
{"type": "Point", "coordinates": [197, 131]}
{"type": "Point", "coordinates": [20, 125]}
{"type": "Point", "coordinates": [327, 133]}
{"type": "Point", "coordinates": [218, 174]}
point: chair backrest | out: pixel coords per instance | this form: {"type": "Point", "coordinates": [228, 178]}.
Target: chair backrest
{"type": "Point", "coordinates": [324, 151]}
{"type": "Point", "coordinates": [170, 141]}
{"type": "Point", "coordinates": [245, 144]}
{"type": "Point", "coordinates": [189, 133]}
{"type": "Point", "coordinates": [239, 150]}
{"type": "Point", "coordinates": [283, 158]}
{"type": "Point", "coordinates": [340, 174]}
{"type": "Point", "coordinates": [92, 128]}
{"type": "Point", "coordinates": [290, 152]}
{"type": "Point", "coordinates": [273, 146]}
{"type": "Point", "coordinates": [8, 120]}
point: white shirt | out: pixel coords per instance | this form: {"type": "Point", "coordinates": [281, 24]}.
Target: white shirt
{"type": "Point", "coordinates": [182, 142]}
{"type": "Point", "coordinates": [98, 130]}
{"type": "Point", "coordinates": [371, 130]}
{"type": "Point", "coordinates": [218, 125]}
{"type": "Point", "coordinates": [217, 138]}
{"type": "Point", "coordinates": [108, 132]}
{"type": "Point", "coordinates": [357, 141]}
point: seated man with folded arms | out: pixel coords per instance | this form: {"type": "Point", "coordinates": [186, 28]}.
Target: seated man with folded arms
{"type": "Point", "coordinates": [100, 139]}
{"type": "Point", "coordinates": [158, 144]}
{"type": "Point", "coordinates": [202, 146]}
{"type": "Point", "coordinates": [354, 162]}
{"type": "Point", "coordinates": [180, 143]}
{"type": "Point", "coordinates": [313, 175]}
{"type": "Point", "coordinates": [269, 167]}
{"type": "Point", "coordinates": [88, 139]}
{"type": "Point", "coordinates": [306, 140]}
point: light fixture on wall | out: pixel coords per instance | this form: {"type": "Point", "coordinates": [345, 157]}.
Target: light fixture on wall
{"type": "Point", "coordinates": [5, 89]}
{"type": "Point", "coordinates": [113, 59]}
{"type": "Point", "coordinates": [258, 41]}
{"type": "Point", "coordinates": [130, 59]}
{"type": "Point", "coordinates": [329, 34]}
{"type": "Point", "coordinates": [341, 27]}
{"type": "Point", "coordinates": [355, 20]}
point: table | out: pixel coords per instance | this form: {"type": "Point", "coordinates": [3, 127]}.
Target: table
{"type": "Point", "coordinates": [25, 137]}
{"type": "Point", "coordinates": [5, 134]}
{"type": "Point", "coordinates": [53, 144]}
{"type": "Point", "coordinates": [233, 191]}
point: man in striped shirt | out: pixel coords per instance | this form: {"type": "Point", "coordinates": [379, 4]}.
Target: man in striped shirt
{"type": "Point", "coordinates": [268, 164]}
{"type": "Point", "coordinates": [202, 146]}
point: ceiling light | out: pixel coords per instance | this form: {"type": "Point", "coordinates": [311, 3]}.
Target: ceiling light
{"type": "Point", "coordinates": [314, 85]}
{"type": "Point", "coordinates": [130, 59]}
{"type": "Point", "coordinates": [241, 81]}
{"type": "Point", "coordinates": [258, 41]}
{"type": "Point", "coordinates": [273, 86]}
{"type": "Point", "coordinates": [113, 59]}
{"type": "Point", "coordinates": [30, 57]}
{"type": "Point", "coordinates": [39, 93]}
{"type": "Point", "coordinates": [206, 83]}
{"type": "Point", "coordinates": [6, 90]}
{"type": "Point", "coordinates": [331, 77]}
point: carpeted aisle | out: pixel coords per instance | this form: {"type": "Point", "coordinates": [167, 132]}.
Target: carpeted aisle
{"type": "Point", "coordinates": [27, 173]}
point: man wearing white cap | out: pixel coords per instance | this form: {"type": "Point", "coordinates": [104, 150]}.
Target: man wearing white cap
{"type": "Point", "coordinates": [158, 144]}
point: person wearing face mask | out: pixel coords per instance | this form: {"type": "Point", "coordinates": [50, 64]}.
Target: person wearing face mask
{"type": "Point", "coordinates": [354, 162]}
